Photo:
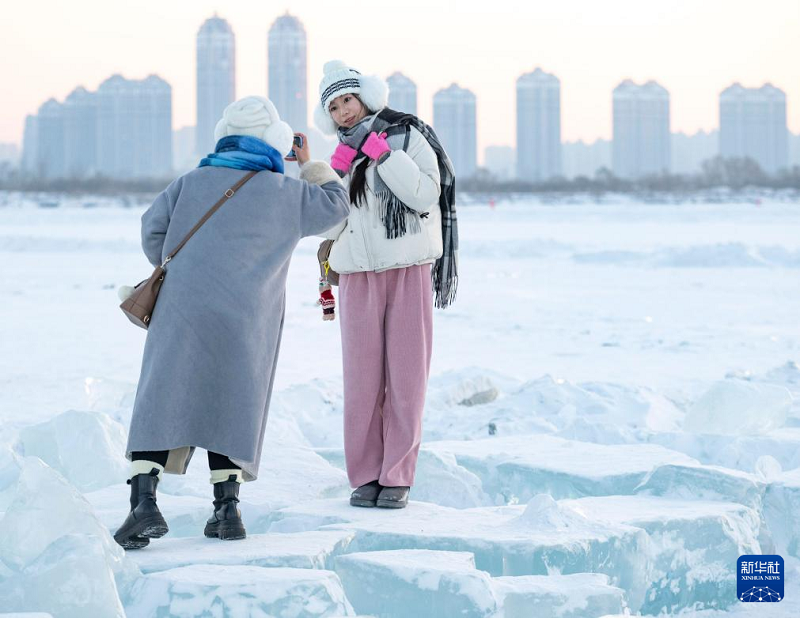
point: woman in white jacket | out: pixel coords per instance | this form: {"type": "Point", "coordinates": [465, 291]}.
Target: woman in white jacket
{"type": "Point", "coordinates": [401, 226]}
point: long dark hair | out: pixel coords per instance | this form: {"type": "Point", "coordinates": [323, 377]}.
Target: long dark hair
{"type": "Point", "coordinates": [358, 181]}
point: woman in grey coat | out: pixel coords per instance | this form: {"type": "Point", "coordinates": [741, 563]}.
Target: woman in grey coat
{"type": "Point", "coordinates": [213, 340]}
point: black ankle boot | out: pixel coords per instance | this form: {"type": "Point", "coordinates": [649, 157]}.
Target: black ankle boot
{"type": "Point", "coordinates": [393, 497]}
{"type": "Point", "coordinates": [226, 521]}
{"type": "Point", "coordinates": [366, 495]}
{"type": "Point", "coordinates": [145, 521]}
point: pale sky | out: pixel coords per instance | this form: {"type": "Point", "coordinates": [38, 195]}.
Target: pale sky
{"type": "Point", "coordinates": [694, 48]}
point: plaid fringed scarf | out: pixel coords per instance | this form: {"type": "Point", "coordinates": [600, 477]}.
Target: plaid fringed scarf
{"type": "Point", "coordinates": [398, 218]}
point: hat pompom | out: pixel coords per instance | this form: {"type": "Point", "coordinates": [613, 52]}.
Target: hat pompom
{"type": "Point", "coordinates": [333, 65]}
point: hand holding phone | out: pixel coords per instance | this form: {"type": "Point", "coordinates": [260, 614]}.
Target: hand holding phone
{"type": "Point", "coordinates": [298, 144]}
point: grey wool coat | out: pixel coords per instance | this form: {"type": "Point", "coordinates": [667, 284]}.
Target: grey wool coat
{"type": "Point", "coordinates": [213, 340]}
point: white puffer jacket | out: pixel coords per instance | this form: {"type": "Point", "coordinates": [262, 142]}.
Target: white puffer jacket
{"type": "Point", "coordinates": [361, 244]}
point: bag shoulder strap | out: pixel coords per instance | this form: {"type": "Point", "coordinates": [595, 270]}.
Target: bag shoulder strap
{"type": "Point", "coordinates": [228, 194]}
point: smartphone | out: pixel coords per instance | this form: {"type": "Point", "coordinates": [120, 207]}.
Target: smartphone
{"type": "Point", "coordinates": [298, 143]}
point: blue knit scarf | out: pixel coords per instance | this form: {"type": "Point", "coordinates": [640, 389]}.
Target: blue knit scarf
{"type": "Point", "coordinates": [242, 152]}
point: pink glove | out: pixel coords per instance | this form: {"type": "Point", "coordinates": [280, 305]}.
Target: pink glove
{"type": "Point", "coordinates": [375, 145]}
{"type": "Point", "coordinates": [343, 157]}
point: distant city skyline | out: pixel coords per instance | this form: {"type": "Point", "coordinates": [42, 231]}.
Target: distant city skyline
{"type": "Point", "coordinates": [590, 47]}
{"type": "Point", "coordinates": [64, 140]}
{"type": "Point", "coordinates": [123, 130]}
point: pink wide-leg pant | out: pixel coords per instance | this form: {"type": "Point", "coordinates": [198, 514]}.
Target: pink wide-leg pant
{"type": "Point", "coordinates": [387, 331]}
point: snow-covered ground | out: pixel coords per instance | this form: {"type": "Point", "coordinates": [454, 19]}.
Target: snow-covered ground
{"type": "Point", "coordinates": [612, 419]}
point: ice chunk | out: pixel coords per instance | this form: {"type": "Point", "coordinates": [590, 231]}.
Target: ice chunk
{"type": "Point", "coordinates": [289, 474]}
{"type": "Point", "coordinates": [739, 452]}
{"type": "Point", "coordinates": [514, 469]}
{"type": "Point", "coordinates": [768, 468]}
{"type": "Point", "coordinates": [469, 386]}
{"type": "Point", "coordinates": [501, 541]}
{"type": "Point", "coordinates": [549, 405]}
{"type": "Point", "coordinates": [545, 513]}
{"type": "Point", "coordinates": [558, 596]}
{"type": "Point", "coordinates": [781, 505]}
{"type": "Point", "coordinates": [44, 508]}
{"type": "Point", "coordinates": [437, 470]}
{"type": "Point", "coordinates": [472, 423]}
{"type": "Point", "coordinates": [70, 579]}
{"type": "Point", "coordinates": [468, 404]}
{"type": "Point", "coordinates": [562, 403]}
{"type": "Point", "coordinates": [114, 397]}
{"type": "Point", "coordinates": [308, 550]}
{"type": "Point", "coordinates": [484, 392]}
{"type": "Point", "coordinates": [88, 448]}
{"type": "Point", "coordinates": [695, 481]}
{"type": "Point", "coordinates": [694, 546]}
{"type": "Point", "coordinates": [221, 590]}
{"type": "Point", "coordinates": [9, 473]}
{"type": "Point", "coordinates": [787, 374]}
{"type": "Point", "coordinates": [62, 560]}
{"type": "Point", "coordinates": [419, 583]}
{"type": "Point", "coordinates": [316, 410]}
{"type": "Point", "coordinates": [739, 407]}
{"type": "Point", "coordinates": [597, 431]}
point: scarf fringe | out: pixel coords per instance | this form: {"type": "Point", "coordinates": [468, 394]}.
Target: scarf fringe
{"type": "Point", "coordinates": [445, 284]}
{"type": "Point", "coordinates": [397, 218]}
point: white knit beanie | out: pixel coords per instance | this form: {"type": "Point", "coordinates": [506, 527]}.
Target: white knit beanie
{"type": "Point", "coordinates": [339, 79]}
{"type": "Point", "coordinates": [256, 117]}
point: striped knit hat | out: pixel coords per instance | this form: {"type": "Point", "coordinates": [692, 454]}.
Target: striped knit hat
{"type": "Point", "coordinates": [339, 79]}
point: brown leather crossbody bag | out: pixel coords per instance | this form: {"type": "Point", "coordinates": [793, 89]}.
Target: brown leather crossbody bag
{"type": "Point", "coordinates": [325, 270]}
{"type": "Point", "coordinates": [139, 305]}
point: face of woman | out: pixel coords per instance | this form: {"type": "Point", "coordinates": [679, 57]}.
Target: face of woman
{"type": "Point", "coordinates": [346, 110]}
